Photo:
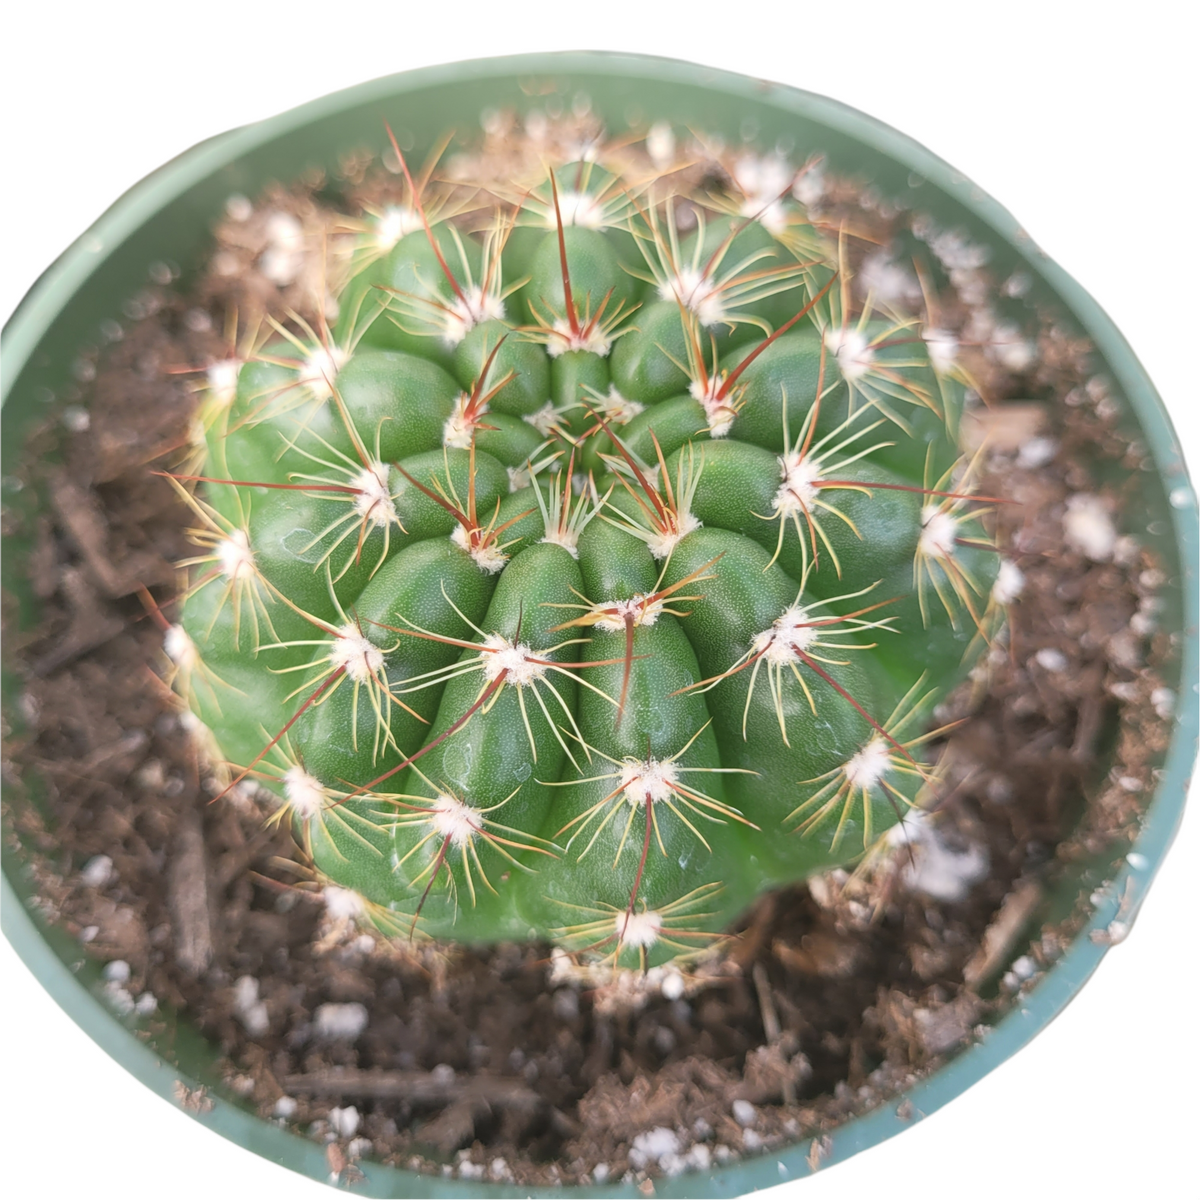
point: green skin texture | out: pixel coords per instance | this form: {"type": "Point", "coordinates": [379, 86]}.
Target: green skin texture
{"type": "Point", "coordinates": [529, 867]}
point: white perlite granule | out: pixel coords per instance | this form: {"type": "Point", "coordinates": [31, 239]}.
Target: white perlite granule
{"type": "Point", "coordinates": [744, 1113]}
{"type": "Point", "coordinates": [346, 1021]}
{"type": "Point", "coordinates": [250, 1010]}
{"type": "Point", "coordinates": [937, 869]}
{"type": "Point", "coordinates": [1088, 527]}
{"type": "Point", "coordinates": [97, 871]}
{"type": "Point", "coordinates": [652, 1146]}
{"type": "Point", "coordinates": [1036, 452]}
{"type": "Point", "coordinates": [673, 985]}
{"type": "Point", "coordinates": [1050, 659]}
{"type": "Point", "coordinates": [344, 1121]}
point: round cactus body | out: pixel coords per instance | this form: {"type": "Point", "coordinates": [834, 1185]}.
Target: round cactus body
{"type": "Point", "coordinates": [600, 568]}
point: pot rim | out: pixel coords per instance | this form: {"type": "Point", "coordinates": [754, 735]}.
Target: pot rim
{"type": "Point", "coordinates": [45, 301]}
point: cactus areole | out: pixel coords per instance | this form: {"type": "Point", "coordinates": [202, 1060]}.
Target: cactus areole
{"type": "Point", "coordinates": [598, 565]}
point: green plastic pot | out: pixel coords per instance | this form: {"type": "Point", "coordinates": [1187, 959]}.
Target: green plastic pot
{"type": "Point", "coordinates": [168, 216]}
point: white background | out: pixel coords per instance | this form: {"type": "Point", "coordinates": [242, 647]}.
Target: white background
{"type": "Point", "coordinates": [1078, 117]}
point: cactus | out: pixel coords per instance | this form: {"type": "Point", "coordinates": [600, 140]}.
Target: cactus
{"type": "Point", "coordinates": [599, 568]}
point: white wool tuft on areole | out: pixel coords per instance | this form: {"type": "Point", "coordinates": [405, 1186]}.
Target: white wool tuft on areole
{"type": "Point", "coordinates": [939, 532]}
{"type": "Point", "coordinates": [789, 635]}
{"type": "Point", "coordinates": [320, 370]}
{"type": "Point", "coordinates": [455, 820]}
{"type": "Point", "coordinates": [488, 558]}
{"type": "Point", "coordinates": [464, 312]}
{"type": "Point", "coordinates": [360, 658]}
{"type": "Point", "coordinates": [866, 768]}
{"type": "Point", "coordinates": [222, 379]}
{"type": "Point", "coordinates": [518, 478]}
{"type": "Point", "coordinates": [545, 419]}
{"type": "Point", "coordinates": [764, 181]}
{"type": "Point", "coordinates": [459, 429]}
{"type": "Point", "coordinates": [660, 144]}
{"type": "Point", "coordinates": [717, 408]}
{"type": "Point", "coordinates": [373, 501]}
{"type": "Point", "coordinates": [577, 208]}
{"type": "Point", "coordinates": [697, 293]}
{"type": "Point", "coordinates": [942, 346]}
{"type": "Point", "coordinates": [771, 216]}
{"type": "Point", "coordinates": [395, 223]}
{"type": "Point", "coordinates": [567, 538]}
{"type": "Point", "coordinates": [636, 607]}
{"type": "Point", "coordinates": [648, 777]}
{"type": "Point", "coordinates": [852, 350]}
{"type": "Point", "coordinates": [590, 338]}
{"type": "Point", "coordinates": [799, 487]}
{"type": "Point", "coordinates": [180, 648]}
{"type": "Point", "coordinates": [640, 930]}
{"type": "Point", "coordinates": [306, 795]}
{"type": "Point", "coordinates": [616, 409]}
{"type": "Point", "coordinates": [516, 659]}
{"type": "Point", "coordinates": [662, 543]}
{"type": "Point", "coordinates": [235, 556]}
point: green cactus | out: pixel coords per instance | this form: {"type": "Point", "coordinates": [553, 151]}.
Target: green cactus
{"type": "Point", "coordinates": [599, 569]}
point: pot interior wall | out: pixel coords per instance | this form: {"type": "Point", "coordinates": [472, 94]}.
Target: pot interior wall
{"type": "Point", "coordinates": [169, 217]}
